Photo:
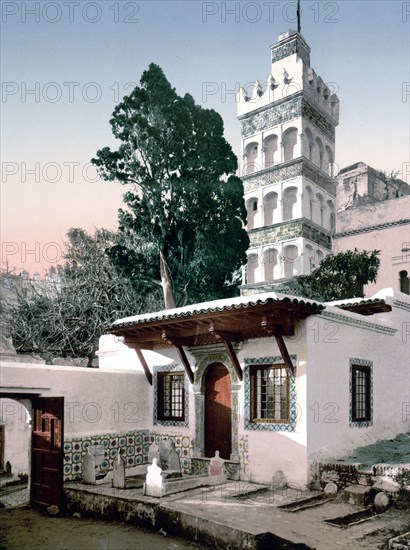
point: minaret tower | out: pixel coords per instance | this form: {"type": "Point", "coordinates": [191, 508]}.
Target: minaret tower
{"type": "Point", "coordinates": [288, 147]}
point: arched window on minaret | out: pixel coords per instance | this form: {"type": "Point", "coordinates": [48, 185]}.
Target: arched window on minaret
{"type": "Point", "coordinates": [289, 140]}
{"type": "Point", "coordinates": [309, 203]}
{"type": "Point", "coordinates": [270, 260]}
{"type": "Point", "coordinates": [329, 161]}
{"type": "Point", "coordinates": [251, 268]}
{"type": "Point", "coordinates": [252, 210]}
{"type": "Point", "coordinates": [309, 144]}
{"type": "Point", "coordinates": [309, 258]}
{"type": "Point", "coordinates": [322, 209]}
{"type": "Point", "coordinates": [251, 154]}
{"type": "Point", "coordinates": [270, 204]}
{"type": "Point", "coordinates": [332, 218]}
{"type": "Point", "coordinates": [320, 154]}
{"type": "Point", "coordinates": [404, 282]}
{"type": "Point", "coordinates": [270, 146]}
{"type": "Point", "coordinates": [289, 199]}
{"type": "Point", "coordinates": [319, 257]}
{"type": "Point", "coordinates": [290, 259]}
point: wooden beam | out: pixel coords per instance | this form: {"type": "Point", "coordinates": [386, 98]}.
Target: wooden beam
{"type": "Point", "coordinates": [144, 364]}
{"type": "Point", "coordinates": [285, 354]}
{"type": "Point", "coordinates": [185, 362]}
{"type": "Point", "coordinates": [233, 358]}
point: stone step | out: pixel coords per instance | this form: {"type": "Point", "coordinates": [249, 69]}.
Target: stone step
{"type": "Point", "coordinates": [358, 495]}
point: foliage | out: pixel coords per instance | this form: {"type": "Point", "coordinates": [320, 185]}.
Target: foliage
{"type": "Point", "coordinates": [340, 276]}
{"type": "Point", "coordinates": [63, 315]}
{"type": "Point", "coordinates": [184, 200]}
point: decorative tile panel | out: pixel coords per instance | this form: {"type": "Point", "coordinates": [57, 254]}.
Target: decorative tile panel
{"type": "Point", "coordinates": [291, 47]}
{"type": "Point", "coordinates": [297, 167]}
{"type": "Point", "coordinates": [128, 444]}
{"type": "Point", "coordinates": [177, 423]}
{"type": "Point", "coordinates": [269, 426]}
{"type": "Point", "coordinates": [285, 111]}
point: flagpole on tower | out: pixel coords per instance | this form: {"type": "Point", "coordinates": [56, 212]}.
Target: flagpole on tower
{"type": "Point", "coordinates": [298, 16]}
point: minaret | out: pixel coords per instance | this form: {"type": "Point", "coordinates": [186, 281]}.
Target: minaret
{"type": "Point", "coordinates": [288, 146]}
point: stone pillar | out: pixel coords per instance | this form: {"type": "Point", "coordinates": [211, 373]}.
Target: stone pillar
{"type": "Point", "coordinates": [198, 450]}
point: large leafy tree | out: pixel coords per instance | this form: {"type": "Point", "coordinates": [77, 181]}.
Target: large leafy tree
{"type": "Point", "coordinates": [340, 276]}
{"type": "Point", "coordinates": [64, 314]}
{"type": "Point", "coordinates": [184, 200]}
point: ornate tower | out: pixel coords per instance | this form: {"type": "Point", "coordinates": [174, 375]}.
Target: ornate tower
{"type": "Point", "coordinates": [288, 145]}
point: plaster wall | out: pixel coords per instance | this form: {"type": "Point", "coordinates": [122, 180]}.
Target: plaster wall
{"type": "Point", "coordinates": [332, 343]}
{"type": "Point", "coordinates": [96, 401]}
{"type": "Point", "coordinates": [270, 451]}
{"type": "Point", "coordinates": [392, 240]}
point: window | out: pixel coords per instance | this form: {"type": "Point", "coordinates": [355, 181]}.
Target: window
{"type": "Point", "coordinates": [171, 396]}
{"type": "Point", "coordinates": [270, 394]}
{"type": "Point", "coordinates": [361, 392]}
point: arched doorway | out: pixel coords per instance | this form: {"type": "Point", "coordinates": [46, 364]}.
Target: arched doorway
{"type": "Point", "coordinates": [218, 411]}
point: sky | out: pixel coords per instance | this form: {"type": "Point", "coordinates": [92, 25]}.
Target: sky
{"type": "Point", "coordinates": [66, 64]}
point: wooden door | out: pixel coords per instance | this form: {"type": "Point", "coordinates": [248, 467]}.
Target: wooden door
{"type": "Point", "coordinates": [218, 412]}
{"type": "Point", "coordinates": [47, 452]}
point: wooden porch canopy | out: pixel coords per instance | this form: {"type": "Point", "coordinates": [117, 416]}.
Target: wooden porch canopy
{"type": "Point", "coordinates": [222, 321]}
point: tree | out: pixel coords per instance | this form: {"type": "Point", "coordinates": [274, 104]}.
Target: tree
{"type": "Point", "coordinates": [184, 200]}
{"type": "Point", "coordinates": [340, 276]}
{"type": "Point", "coordinates": [64, 314]}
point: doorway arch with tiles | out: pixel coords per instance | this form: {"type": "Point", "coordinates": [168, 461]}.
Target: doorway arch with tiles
{"type": "Point", "coordinates": [211, 361]}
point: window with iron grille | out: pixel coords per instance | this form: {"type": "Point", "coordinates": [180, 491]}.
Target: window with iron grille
{"type": "Point", "coordinates": [171, 396]}
{"type": "Point", "coordinates": [361, 392]}
{"type": "Point", "coordinates": [270, 394]}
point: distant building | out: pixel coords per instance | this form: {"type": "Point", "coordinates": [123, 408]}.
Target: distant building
{"type": "Point", "coordinates": [359, 184]}
{"type": "Point", "coordinates": [374, 214]}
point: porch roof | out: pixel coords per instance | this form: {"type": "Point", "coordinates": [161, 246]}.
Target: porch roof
{"type": "Point", "coordinates": [243, 317]}
{"type": "Point", "coordinates": [221, 321]}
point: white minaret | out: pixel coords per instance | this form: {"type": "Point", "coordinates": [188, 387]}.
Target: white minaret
{"type": "Point", "coordinates": [288, 144]}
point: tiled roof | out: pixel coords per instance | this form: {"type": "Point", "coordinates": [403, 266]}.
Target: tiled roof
{"type": "Point", "coordinates": [228, 304]}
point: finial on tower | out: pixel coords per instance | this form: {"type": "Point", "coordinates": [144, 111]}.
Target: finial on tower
{"type": "Point", "coordinates": [298, 16]}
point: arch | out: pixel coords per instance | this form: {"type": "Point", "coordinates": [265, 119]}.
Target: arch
{"type": "Point", "coordinates": [15, 421]}
{"type": "Point", "coordinates": [319, 257]}
{"type": "Point", "coordinates": [321, 203]}
{"type": "Point", "coordinates": [290, 257]}
{"type": "Point", "coordinates": [320, 156]}
{"type": "Point", "coordinates": [270, 146]}
{"type": "Point", "coordinates": [310, 260]}
{"type": "Point", "coordinates": [310, 145]}
{"type": "Point", "coordinates": [250, 156]}
{"type": "Point", "coordinates": [270, 204]}
{"type": "Point", "coordinates": [332, 217]}
{"type": "Point", "coordinates": [309, 202]}
{"type": "Point", "coordinates": [289, 140]}
{"type": "Point", "coordinates": [203, 359]}
{"type": "Point", "coordinates": [329, 161]}
{"type": "Point", "coordinates": [404, 282]}
{"type": "Point", "coordinates": [270, 260]}
{"type": "Point", "coordinates": [251, 267]}
{"type": "Point", "coordinates": [289, 200]}
{"type": "Point", "coordinates": [252, 210]}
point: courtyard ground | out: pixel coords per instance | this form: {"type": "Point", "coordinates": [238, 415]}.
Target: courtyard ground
{"type": "Point", "coordinates": [25, 528]}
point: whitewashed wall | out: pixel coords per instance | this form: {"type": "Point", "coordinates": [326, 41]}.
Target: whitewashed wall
{"type": "Point", "coordinates": [331, 345]}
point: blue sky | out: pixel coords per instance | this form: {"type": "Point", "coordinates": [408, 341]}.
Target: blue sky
{"type": "Point", "coordinates": [79, 57]}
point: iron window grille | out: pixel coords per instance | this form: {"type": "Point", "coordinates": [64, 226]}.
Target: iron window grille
{"type": "Point", "coordinates": [270, 394]}
{"type": "Point", "coordinates": [361, 392]}
{"type": "Point", "coordinates": [171, 396]}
